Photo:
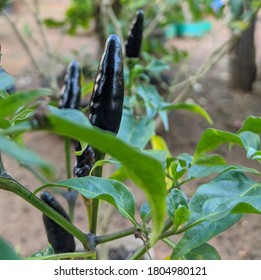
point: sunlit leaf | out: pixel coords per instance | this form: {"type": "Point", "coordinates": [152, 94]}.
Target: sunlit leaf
{"type": "Point", "coordinates": [139, 166]}
{"type": "Point", "coordinates": [112, 191]}
{"type": "Point", "coordinates": [216, 206]}
{"type": "Point", "coordinates": [195, 108]}
{"type": "Point", "coordinates": [203, 252]}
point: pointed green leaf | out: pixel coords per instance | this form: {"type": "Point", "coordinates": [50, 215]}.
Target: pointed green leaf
{"type": "Point", "coordinates": [112, 191]}
{"type": "Point", "coordinates": [139, 166]}
{"type": "Point", "coordinates": [145, 211]}
{"type": "Point", "coordinates": [203, 252]}
{"type": "Point", "coordinates": [216, 206]}
{"type": "Point", "coordinates": [136, 131]}
{"type": "Point", "coordinates": [250, 140]}
{"type": "Point", "coordinates": [213, 138]}
{"type": "Point", "coordinates": [211, 160]}
{"type": "Point", "coordinates": [103, 162]}
{"type": "Point", "coordinates": [252, 124]}
{"type": "Point", "coordinates": [201, 170]}
{"type": "Point", "coordinates": [15, 101]}
{"type": "Point", "coordinates": [195, 108]}
{"type": "Point", "coordinates": [6, 80]}
{"type": "Point", "coordinates": [177, 207]}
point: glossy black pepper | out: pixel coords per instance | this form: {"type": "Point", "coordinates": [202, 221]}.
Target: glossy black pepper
{"type": "Point", "coordinates": [107, 98]}
{"type": "Point", "coordinates": [61, 240]}
{"type": "Point", "coordinates": [70, 96]}
{"type": "Point", "coordinates": [134, 38]}
{"type": "Point", "coordinates": [84, 162]}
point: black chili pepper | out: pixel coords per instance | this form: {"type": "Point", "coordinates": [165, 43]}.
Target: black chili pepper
{"type": "Point", "coordinates": [134, 38]}
{"type": "Point", "coordinates": [108, 92]}
{"type": "Point", "coordinates": [70, 96]}
{"type": "Point", "coordinates": [84, 162]}
{"type": "Point", "coordinates": [60, 239]}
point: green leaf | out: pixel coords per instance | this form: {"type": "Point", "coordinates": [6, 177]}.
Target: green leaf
{"type": "Point", "coordinates": [151, 98]}
{"type": "Point", "coordinates": [22, 115]}
{"type": "Point", "coordinates": [159, 155]}
{"type": "Point", "coordinates": [212, 138]}
{"type": "Point", "coordinates": [103, 162]}
{"type": "Point", "coordinates": [84, 145]}
{"type": "Point", "coordinates": [211, 160]}
{"type": "Point", "coordinates": [177, 207]}
{"type": "Point", "coordinates": [136, 131]}
{"type": "Point", "coordinates": [112, 191]}
{"type": "Point", "coordinates": [157, 66]}
{"type": "Point", "coordinates": [7, 252]}
{"type": "Point", "coordinates": [203, 252]}
{"type": "Point", "coordinates": [164, 118]}
{"type": "Point", "coordinates": [195, 108]}
{"type": "Point", "coordinates": [252, 124]}
{"type": "Point", "coordinates": [201, 171]}
{"type": "Point", "coordinates": [250, 140]}
{"type": "Point", "coordinates": [24, 155]}
{"type": "Point", "coordinates": [146, 171]}
{"type": "Point", "coordinates": [177, 168]}
{"type": "Point", "coordinates": [15, 101]}
{"type": "Point", "coordinates": [6, 80]}
{"type": "Point", "coordinates": [216, 206]}
{"type": "Point", "coordinates": [145, 211]}
{"type": "Point", "coordinates": [3, 94]}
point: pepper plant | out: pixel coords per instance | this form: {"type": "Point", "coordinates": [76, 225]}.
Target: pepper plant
{"type": "Point", "coordinates": [137, 153]}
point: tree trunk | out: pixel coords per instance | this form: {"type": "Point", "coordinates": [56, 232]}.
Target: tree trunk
{"type": "Point", "coordinates": [243, 60]}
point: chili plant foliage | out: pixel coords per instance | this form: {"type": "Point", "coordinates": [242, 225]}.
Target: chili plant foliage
{"type": "Point", "coordinates": [162, 177]}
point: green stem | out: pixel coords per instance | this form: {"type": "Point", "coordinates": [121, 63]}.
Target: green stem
{"type": "Point", "coordinates": [130, 82]}
{"type": "Point", "coordinates": [116, 235]}
{"type": "Point", "coordinates": [95, 204]}
{"type": "Point", "coordinates": [176, 232]}
{"type": "Point", "coordinates": [130, 64]}
{"type": "Point", "coordinates": [9, 184]}
{"type": "Point", "coordinates": [67, 148]}
{"type": "Point", "coordinates": [76, 255]}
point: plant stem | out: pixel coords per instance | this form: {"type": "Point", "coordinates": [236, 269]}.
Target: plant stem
{"type": "Point", "coordinates": [130, 65]}
{"type": "Point", "coordinates": [9, 184]}
{"type": "Point", "coordinates": [95, 202]}
{"type": "Point", "coordinates": [116, 235]}
{"type": "Point", "coordinates": [76, 255]}
{"type": "Point", "coordinates": [67, 148]}
{"type": "Point", "coordinates": [143, 249]}
{"type": "Point", "coordinates": [172, 232]}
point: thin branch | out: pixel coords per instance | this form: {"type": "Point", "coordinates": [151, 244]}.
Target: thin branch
{"type": "Point", "coordinates": [62, 256]}
{"type": "Point", "coordinates": [24, 44]}
{"type": "Point", "coordinates": [46, 46]}
{"type": "Point", "coordinates": [153, 24]}
{"type": "Point", "coordinates": [113, 236]}
{"type": "Point", "coordinates": [116, 24]}
{"type": "Point", "coordinates": [200, 73]}
{"type": "Point", "coordinates": [46, 51]}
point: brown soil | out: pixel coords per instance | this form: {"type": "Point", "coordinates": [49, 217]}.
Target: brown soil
{"type": "Point", "coordinates": [22, 225]}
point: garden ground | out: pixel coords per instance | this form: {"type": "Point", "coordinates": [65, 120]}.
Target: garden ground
{"type": "Point", "coordinates": [22, 225]}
